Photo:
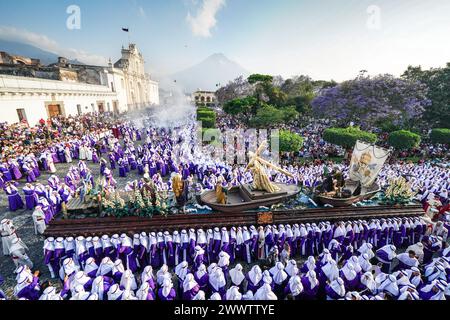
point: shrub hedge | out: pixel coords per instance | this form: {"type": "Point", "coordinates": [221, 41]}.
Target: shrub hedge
{"type": "Point", "coordinates": [440, 135]}
{"type": "Point", "coordinates": [347, 137]}
{"type": "Point", "coordinates": [404, 139]}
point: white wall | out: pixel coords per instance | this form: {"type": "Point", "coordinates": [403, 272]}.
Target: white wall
{"type": "Point", "coordinates": [121, 92]}
{"type": "Point", "coordinates": [33, 95]}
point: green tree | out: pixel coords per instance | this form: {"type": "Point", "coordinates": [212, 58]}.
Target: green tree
{"type": "Point", "coordinates": [240, 105]}
{"type": "Point", "coordinates": [256, 78]}
{"type": "Point", "coordinates": [388, 124]}
{"type": "Point", "coordinates": [302, 90]}
{"type": "Point", "coordinates": [275, 95]}
{"type": "Point", "coordinates": [438, 83]}
{"type": "Point", "coordinates": [404, 139]}
{"type": "Point", "coordinates": [302, 103]}
{"type": "Point", "coordinates": [290, 142]}
{"type": "Point", "coordinates": [289, 113]}
{"type": "Point", "coordinates": [263, 88]}
{"type": "Point", "coordinates": [267, 116]}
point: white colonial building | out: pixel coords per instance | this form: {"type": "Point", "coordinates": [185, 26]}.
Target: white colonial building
{"type": "Point", "coordinates": [33, 92]}
{"type": "Point", "coordinates": [32, 99]}
{"type": "Point", "coordinates": [141, 91]}
{"type": "Point", "coordinates": [207, 98]}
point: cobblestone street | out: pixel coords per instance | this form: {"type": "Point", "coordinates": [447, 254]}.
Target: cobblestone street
{"type": "Point", "coordinates": [24, 223]}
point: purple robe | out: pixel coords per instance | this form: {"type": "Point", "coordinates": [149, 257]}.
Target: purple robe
{"type": "Point", "coordinates": [426, 295]}
{"type": "Point", "coordinates": [287, 291]}
{"type": "Point", "coordinates": [102, 168]}
{"type": "Point", "coordinates": [140, 168]}
{"type": "Point", "coordinates": [151, 283]}
{"type": "Point", "coordinates": [48, 256]}
{"type": "Point", "coordinates": [30, 292]}
{"type": "Point", "coordinates": [190, 294]}
{"type": "Point", "coordinates": [110, 252]}
{"type": "Point", "coordinates": [155, 260]}
{"type": "Point", "coordinates": [55, 157]}
{"type": "Point", "coordinates": [107, 283]}
{"type": "Point", "coordinates": [203, 281]}
{"type": "Point", "coordinates": [200, 259]}
{"type": "Point", "coordinates": [331, 294]}
{"type": "Point", "coordinates": [253, 287]}
{"type": "Point", "coordinates": [61, 156]}
{"type": "Point", "coordinates": [6, 173]}
{"type": "Point", "coordinates": [128, 257]}
{"type": "Point", "coordinates": [31, 177]}
{"type": "Point", "coordinates": [14, 200]}
{"type": "Point", "coordinates": [150, 296]}
{"type": "Point", "coordinates": [215, 250]}
{"type": "Point", "coordinates": [15, 172]}
{"type": "Point", "coordinates": [171, 296]}
{"type": "Point", "coordinates": [350, 284]}
{"type": "Point", "coordinates": [308, 293]}
{"type": "Point", "coordinates": [30, 198]}
{"type": "Point", "coordinates": [112, 162]}
{"type": "Point", "coordinates": [310, 242]}
{"type": "Point", "coordinates": [170, 252]}
{"type": "Point", "coordinates": [349, 238]}
{"type": "Point", "coordinates": [122, 170]}
{"type": "Point", "coordinates": [141, 255]}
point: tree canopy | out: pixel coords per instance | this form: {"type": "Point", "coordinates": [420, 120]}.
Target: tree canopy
{"type": "Point", "coordinates": [289, 141]}
{"type": "Point", "coordinates": [418, 99]}
{"type": "Point", "coordinates": [240, 105]}
{"type": "Point", "coordinates": [255, 78]}
{"type": "Point", "coordinates": [367, 100]}
{"type": "Point", "coordinates": [289, 113]}
{"type": "Point", "coordinates": [267, 116]}
{"type": "Point", "coordinates": [438, 83]}
{"type": "Point", "coordinates": [247, 96]}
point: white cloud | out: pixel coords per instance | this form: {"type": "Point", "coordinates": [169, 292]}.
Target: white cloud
{"type": "Point", "coordinates": [205, 18]}
{"type": "Point", "coordinates": [142, 12]}
{"type": "Point", "coordinates": [45, 43]}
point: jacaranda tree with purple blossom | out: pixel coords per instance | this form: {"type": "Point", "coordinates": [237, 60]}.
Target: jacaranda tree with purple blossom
{"type": "Point", "coordinates": [367, 101]}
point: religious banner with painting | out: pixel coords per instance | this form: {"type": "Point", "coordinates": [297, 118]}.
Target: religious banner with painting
{"type": "Point", "coordinates": [265, 218]}
{"type": "Point", "coordinates": [367, 161]}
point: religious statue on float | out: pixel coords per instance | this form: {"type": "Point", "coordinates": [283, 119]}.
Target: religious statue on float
{"type": "Point", "coordinates": [262, 192]}
{"type": "Point", "coordinates": [257, 166]}
{"type": "Point", "coordinates": [180, 189]}
{"type": "Point", "coordinates": [366, 163]}
{"type": "Point", "coordinates": [221, 191]}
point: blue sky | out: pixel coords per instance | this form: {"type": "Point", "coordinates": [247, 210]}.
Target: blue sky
{"type": "Point", "coordinates": [327, 39]}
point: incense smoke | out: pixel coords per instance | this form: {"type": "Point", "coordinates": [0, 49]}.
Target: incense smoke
{"type": "Point", "coordinates": [174, 111]}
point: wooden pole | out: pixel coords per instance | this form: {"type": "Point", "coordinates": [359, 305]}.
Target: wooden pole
{"type": "Point", "coordinates": [267, 163]}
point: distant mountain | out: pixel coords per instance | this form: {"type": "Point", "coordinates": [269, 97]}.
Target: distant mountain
{"type": "Point", "coordinates": [206, 75]}
{"type": "Point", "coordinates": [26, 50]}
